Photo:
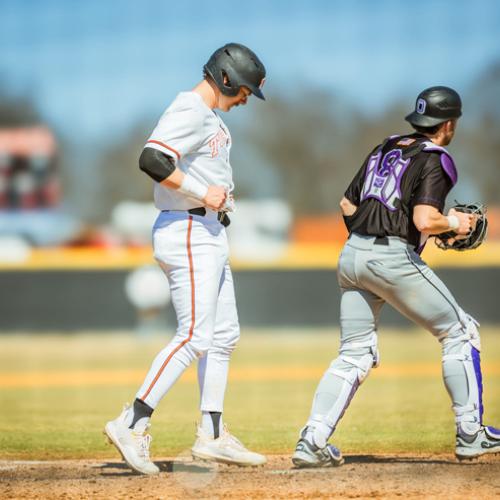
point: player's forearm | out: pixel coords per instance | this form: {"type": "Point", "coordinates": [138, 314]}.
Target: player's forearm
{"type": "Point", "coordinates": [435, 225]}
{"type": "Point", "coordinates": [174, 180]}
{"type": "Point", "coordinates": [428, 220]}
{"type": "Point", "coordinates": [348, 208]}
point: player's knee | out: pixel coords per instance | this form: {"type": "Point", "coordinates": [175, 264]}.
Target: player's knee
{"type": "Point", "coordinates": [226, 343]}
{"type": "Point", "coordinates": [355, 367]}
{"type": "Point", "coordinates": [364, 365]}
{"type": "Point", "coordinates": [200, 349]}
{"type": "Point", "coordinates": [232, 338]}
{"type": "Point", "coordinates": [361, 348]}
{"type": "Point", "coordinates": [463, 332]}
{"type": "Point", "coordinates": [201, 342]}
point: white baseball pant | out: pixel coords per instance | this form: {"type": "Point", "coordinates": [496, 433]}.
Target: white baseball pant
{"type": "Point", "coordinates": [192, 250]}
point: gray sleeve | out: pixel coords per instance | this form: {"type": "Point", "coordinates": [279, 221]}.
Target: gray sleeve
{"type": "Point", "coordinates": [156, 164]}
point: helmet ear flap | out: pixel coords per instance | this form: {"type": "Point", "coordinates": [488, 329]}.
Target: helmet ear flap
{"type": "Point", "coordinates": [225, 79]}
{"type": "Point", "coordinates": [227, 82]}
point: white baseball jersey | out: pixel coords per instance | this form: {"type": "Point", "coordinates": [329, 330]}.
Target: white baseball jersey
{"type": "Point", "coordinates": [198, 140]}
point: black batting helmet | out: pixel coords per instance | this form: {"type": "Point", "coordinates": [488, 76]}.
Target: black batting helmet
{"type": "Point", "coordinates": [435, 105]}
{"type": "Point", "coordinates": [241, 67]}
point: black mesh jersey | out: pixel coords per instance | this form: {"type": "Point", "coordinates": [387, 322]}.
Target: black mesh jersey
{"type": "Point", "coordinates": [398, 174]}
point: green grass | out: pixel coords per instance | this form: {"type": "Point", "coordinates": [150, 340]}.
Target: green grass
{"type": "Point", "coordinates": [397, 413]}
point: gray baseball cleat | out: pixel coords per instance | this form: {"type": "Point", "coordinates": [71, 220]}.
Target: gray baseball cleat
{"type": "Point", "coordinates": [486, 440]}
{"type": "Point", "coordinates": [307, 454]}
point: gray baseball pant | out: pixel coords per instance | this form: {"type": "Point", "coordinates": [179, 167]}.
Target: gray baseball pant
{"type": "Point", "coordinates": [371, 272]}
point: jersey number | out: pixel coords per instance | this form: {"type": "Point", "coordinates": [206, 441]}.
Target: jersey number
{"type": "Point", "coordinates": [383, 177]}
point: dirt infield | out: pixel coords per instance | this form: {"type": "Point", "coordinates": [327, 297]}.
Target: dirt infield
{"type": "Point", "coordinates": [362, 476]}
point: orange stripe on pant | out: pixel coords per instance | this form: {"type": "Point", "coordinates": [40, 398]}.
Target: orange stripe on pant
{"type": "Point", "coordinates": [191, 328]}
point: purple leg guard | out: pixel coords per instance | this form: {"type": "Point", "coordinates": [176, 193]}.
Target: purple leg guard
{"type": "Point", "coordinates": [476, 360]}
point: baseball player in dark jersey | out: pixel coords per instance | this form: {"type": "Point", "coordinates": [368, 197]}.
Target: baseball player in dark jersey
{"type": "Point", "coordinates": [393, 204]}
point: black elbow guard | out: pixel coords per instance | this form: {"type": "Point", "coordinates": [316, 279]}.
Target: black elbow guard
{"type": "Point", "coordinates": [156, 164]}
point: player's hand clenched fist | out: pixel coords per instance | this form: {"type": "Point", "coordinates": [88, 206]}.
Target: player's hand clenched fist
{"type": "Point", "coordinates": [215, 197]}
{"type": "Point", "coordinates": [466, 221]}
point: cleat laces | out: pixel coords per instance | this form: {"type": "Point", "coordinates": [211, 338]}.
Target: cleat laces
{"type": "Point", "coordinates": [229, 440]}
{"type": "Point", "coordinates": [143, 442]}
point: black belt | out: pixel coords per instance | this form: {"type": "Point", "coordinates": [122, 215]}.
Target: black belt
{"type": "Point", "coordinates": [379, 240]}
{"type": "Point", "coordinates": [222, 217]}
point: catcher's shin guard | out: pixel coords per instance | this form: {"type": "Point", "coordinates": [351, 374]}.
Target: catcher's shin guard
{"type": "Point", "coordinates": [462, 374]}
{"type": "Point", "coordinates": [339, 384]}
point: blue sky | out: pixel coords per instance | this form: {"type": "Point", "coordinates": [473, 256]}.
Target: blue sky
{"type": "Point", "coordinates": [96, 67]}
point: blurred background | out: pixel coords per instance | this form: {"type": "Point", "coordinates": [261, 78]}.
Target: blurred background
{"type": "Point", "coordinates": [82, 85]}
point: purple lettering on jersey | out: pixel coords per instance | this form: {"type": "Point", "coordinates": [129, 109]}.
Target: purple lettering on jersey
{"type": "Point", "coordinates": [447, 162]}
{"type": "Point", "coordinates": [383, 178]}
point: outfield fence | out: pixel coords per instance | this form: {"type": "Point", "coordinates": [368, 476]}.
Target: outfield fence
{"type": "Point", "coordinates": [76, 299]}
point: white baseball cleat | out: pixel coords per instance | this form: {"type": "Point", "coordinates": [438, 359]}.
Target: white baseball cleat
{"type": "Point", "coordinates": [225, 449]}
{"type": "Point", "coordinates": [133, 444]}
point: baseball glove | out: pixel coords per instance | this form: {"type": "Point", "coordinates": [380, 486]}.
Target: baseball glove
{"type": "Point", "coordinates": [451, 241]}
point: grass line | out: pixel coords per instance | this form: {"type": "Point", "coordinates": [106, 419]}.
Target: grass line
{"type": "Point", "coordinates": [70, 378]}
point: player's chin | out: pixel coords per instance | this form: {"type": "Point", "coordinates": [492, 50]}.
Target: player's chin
{"type": "Point", "coordinates": [235, 105]}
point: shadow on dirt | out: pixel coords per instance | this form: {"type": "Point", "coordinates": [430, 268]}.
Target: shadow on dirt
{"type": "Point", "coordinates": [121, 469]}
{"type": "Point", "coordinates": [374, 459]}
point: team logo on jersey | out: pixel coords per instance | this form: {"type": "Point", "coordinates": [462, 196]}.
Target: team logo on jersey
{"type": "Point", "coordinates": [421, 105]}
{"type": "Point", "coordinates": [218, 142]}
{"type": "Point", "coordinates": [383, 177]}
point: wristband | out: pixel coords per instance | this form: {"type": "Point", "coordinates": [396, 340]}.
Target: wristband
{"type": "Point", "coordinates": [453, 222]}
{"type": "Point", "coordinates": [193, 188]}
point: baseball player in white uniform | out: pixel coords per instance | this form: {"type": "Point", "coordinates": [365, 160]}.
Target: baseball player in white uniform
{"type": "Point", "coordinates": [187, 155]}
